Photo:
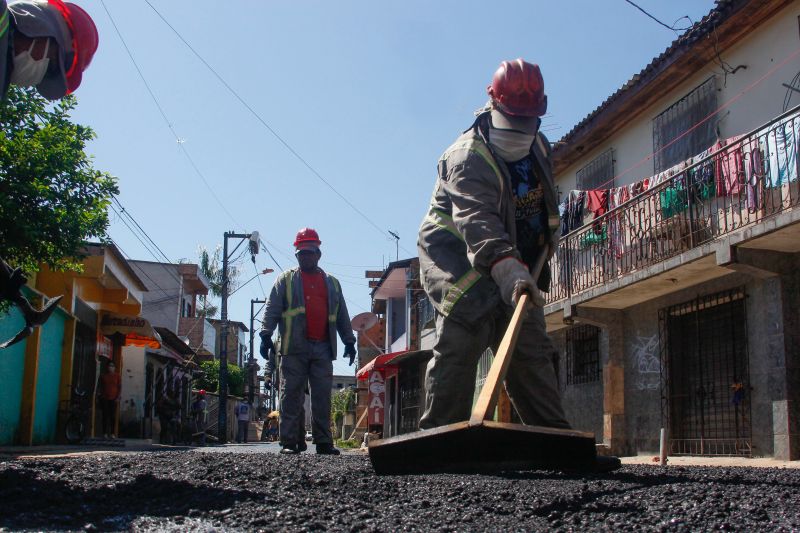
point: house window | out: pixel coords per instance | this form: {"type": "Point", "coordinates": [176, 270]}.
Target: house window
{"type": "Point", "coordinates": [670, 145]}
{"type": "Point", "coordinates": [583, 355]}
{"type": "Point", "coordinates": [598, 174]}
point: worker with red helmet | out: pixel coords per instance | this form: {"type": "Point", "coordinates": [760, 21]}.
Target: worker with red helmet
{"type": "Point", "coordinates": [45, 44]}
{"type": "Point", "coordinates": [308, 308]}
{"type": "Point", "coordinates": [492, 213]}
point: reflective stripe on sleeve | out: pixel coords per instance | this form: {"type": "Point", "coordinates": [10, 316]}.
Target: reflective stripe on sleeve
{"type": "Point", "coordinates": [4, 23]}
{"type": "Point", "coordinates": [441, 220]}
{"type": "Point", "coordinates": [458, 290]}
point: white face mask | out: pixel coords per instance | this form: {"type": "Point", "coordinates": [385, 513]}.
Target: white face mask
{"type": "Point", "coordinates": [510, 145]}
{"type": "Point", "coordinates": [27, 70]}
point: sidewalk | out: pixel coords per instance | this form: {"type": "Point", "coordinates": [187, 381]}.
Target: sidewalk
{"type": "Point", "coordinates": [757, 462]}
{"type": "Point", "coordinates": [67, 450]}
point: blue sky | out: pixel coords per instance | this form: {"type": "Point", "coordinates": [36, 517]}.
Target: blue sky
{"type": "Point", "coordinates": [368, 94]}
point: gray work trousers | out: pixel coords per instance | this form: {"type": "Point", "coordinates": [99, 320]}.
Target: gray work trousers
{"type": "Point", "coordinates": [316, 369]}
{"type": "Point", "coordinates": [530, 381]}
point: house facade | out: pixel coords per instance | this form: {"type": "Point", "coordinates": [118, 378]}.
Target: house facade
{"type": "Point", "coordinates": [394, 351]}
{"type": "Point", "coordinates": [54, 372]}
{"type": "Point", "coordinates": [675, 283]}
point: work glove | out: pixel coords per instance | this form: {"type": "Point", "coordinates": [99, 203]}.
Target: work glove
{"type": "Point", "coordinates": [513, 278]}
{"type": "Point", "coordinates": [350, 351]}
{"type": "Point", "coordinates": [266, 345]}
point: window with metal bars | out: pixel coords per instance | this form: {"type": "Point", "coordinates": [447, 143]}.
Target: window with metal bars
{"type": "Point", "coordinates": [583, 354]}
{"type": "Point", "coordinates": [677, 132]}
{"type": "Point", "coordinates": [598, 174]}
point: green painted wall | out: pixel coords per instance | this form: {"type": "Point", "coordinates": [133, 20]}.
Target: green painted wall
{"type": "Point", "coordinates": [48, 379]}
{"type": "Point", "coordinates": [12, 367]}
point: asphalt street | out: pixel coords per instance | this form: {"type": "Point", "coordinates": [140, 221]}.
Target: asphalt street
{"type": "Point", "coordinates": [252, 488]}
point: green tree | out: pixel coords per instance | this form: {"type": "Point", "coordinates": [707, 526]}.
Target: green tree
{"type": "Point", "coordinates": [341, 403]}
{"type": "Point", "coordinates": [52, 199]}
{"type": "Point", "coordinates": [210, 378]}
{"type": "Point", "coordinates": [211, 267]}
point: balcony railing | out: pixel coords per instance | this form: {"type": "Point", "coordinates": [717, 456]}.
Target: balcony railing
{"type": "Point", "coordinates": [751, 178]}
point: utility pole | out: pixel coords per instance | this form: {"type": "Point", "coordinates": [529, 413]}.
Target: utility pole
{"type": "Point", "coordinates": [223, 338]}
{"type": "Point", "coordinates": [252, 379]}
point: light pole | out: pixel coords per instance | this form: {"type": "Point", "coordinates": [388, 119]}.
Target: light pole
{"type": "Point", "coordinates": [252, 379]}
{"type": "Point", "coordinates": [223, 338]}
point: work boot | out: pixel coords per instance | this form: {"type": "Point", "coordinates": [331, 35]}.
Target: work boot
{"type": "Point", "coordinates": [302, 446]}
{"type": "Point", "coordinates": [327, 449]}
{"type": "Point", "coordinates": [290, 449]}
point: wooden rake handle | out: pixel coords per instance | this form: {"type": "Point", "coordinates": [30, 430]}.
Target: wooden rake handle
{"type": "Point", "coordinates": [487, 400]}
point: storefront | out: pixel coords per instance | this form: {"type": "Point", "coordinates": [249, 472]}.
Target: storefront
{"type": "Point", "coordinates": [394, 384]}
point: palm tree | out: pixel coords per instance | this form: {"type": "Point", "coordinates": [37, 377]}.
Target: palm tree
{"type": "Point", "coordinates": [212, 269]}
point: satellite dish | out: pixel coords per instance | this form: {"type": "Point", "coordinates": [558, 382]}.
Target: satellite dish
{"type": "Point", "coordinates": [364, 321]}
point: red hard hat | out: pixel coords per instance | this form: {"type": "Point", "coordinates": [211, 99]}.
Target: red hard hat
{"type": "Point", "coordinates": [517, 89]}
{"type": "Point", "coordinates": [307, 235]}
{"type": "Point", "coordinates": [201, 392]}
{"type": "Point", "coordinates": [84, 40]}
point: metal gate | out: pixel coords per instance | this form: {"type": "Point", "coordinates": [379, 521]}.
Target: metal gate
{"type": "Point", "coordinates": [705, 377]}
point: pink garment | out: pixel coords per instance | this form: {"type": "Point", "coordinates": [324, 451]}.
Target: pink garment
{"type": "Point", "coordinates": [729, 168]}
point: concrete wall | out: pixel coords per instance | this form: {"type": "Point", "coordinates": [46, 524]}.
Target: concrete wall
{"type": "Point", "coordinates": [131, 401]}
{"type": "Point", "coordinates": [583, 403]}
{"type": "Point", "coordinates": [161, 305]}
{"type": "Point", "coordinates": [761, 51]}
{"type": "Point", "coordinates": [631, 337]}
{"type": "Point", "coordinates": [12, 367]}
{"type": "Point", "coordinates": [48, 378]}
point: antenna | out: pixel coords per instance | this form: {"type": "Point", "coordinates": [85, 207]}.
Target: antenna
{"type": "Point", "coordinates": [396, 244]}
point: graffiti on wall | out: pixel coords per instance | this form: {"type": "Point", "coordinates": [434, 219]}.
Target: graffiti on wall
{"type": "Point", "coordinates": [648, 365]}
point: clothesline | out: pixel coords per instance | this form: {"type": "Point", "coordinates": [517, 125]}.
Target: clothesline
{"type": "Point", "coordinates": [722, 174]}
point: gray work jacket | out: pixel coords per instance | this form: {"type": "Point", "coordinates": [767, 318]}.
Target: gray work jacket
{"type": "Point", "coordinates": [286, 310]}
{"type": "Point", "coordinates": [471, 224]}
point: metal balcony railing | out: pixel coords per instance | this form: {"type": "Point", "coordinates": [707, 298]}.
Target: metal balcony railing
{"type": "Point", "coordinates": [750, 179]}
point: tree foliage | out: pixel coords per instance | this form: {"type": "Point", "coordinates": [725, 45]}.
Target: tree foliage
{"type": "Point", "coordinates": [210, 265]}
{"type": "Point", "coordinates": [210, 378]}
{"type": "Point", "coordinates": [341, 403]}
{"type": "Point", "coordinates": [52, 199]}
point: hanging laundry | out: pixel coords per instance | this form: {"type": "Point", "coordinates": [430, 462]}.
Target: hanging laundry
{"type": "Point", "coordinates": [781, 147]}
{"type": "Point", "coordinates": [597, 204]}
{"type": "Point", "coordinates": [673, 199]}
{"type": "Point", "coordinates": [571, 211]}
{"type": "Point", "coordinates": [729, 168]}
{"type": "Point", "coordinates": [616, 234]}
{"type": "Point", "coordinates": [702, 180]}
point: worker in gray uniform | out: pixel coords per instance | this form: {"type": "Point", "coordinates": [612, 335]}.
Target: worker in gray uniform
{"type": "Point", "coordinates": [308, 307]}
{"type": "Point", "coordinates": [493, 212]}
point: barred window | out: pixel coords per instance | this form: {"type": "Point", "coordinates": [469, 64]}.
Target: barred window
{"type": "Point", "coordinates": [598, 174]}
{"type": "Point", "coordinates": [583, 354]}
{"type": "Point", "coordinates": [679, 118]}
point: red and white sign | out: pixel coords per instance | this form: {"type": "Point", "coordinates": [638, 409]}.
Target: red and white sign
{"type": "Point", "coordinates": [377, 397]}
{"type": "Point", "coordinates": [105, 348]}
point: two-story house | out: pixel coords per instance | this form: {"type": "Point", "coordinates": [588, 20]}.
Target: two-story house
{"type": "Point", "coordinates": [675, 284]}
{"type": "Point", "coordinates": [154, 369]}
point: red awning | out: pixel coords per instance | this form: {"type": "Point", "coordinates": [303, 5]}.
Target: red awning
{"type": "Point", "coordinates": [382, 361]}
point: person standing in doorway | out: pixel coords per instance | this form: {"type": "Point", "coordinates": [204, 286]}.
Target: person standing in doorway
{"type": "Point", "coordinates": [110, 388]}
{"type": "Point", "coordinates": [308, 307]}
{"type": "Point", "coordinates": [242, 420]}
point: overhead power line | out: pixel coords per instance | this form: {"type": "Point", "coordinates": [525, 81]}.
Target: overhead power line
{"type": "Point", "coordinates": [178, 139]}
{"type": "Point", "coordinates": [672, 28]}
{"type": "Point", "coordinates": [264, 123]}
